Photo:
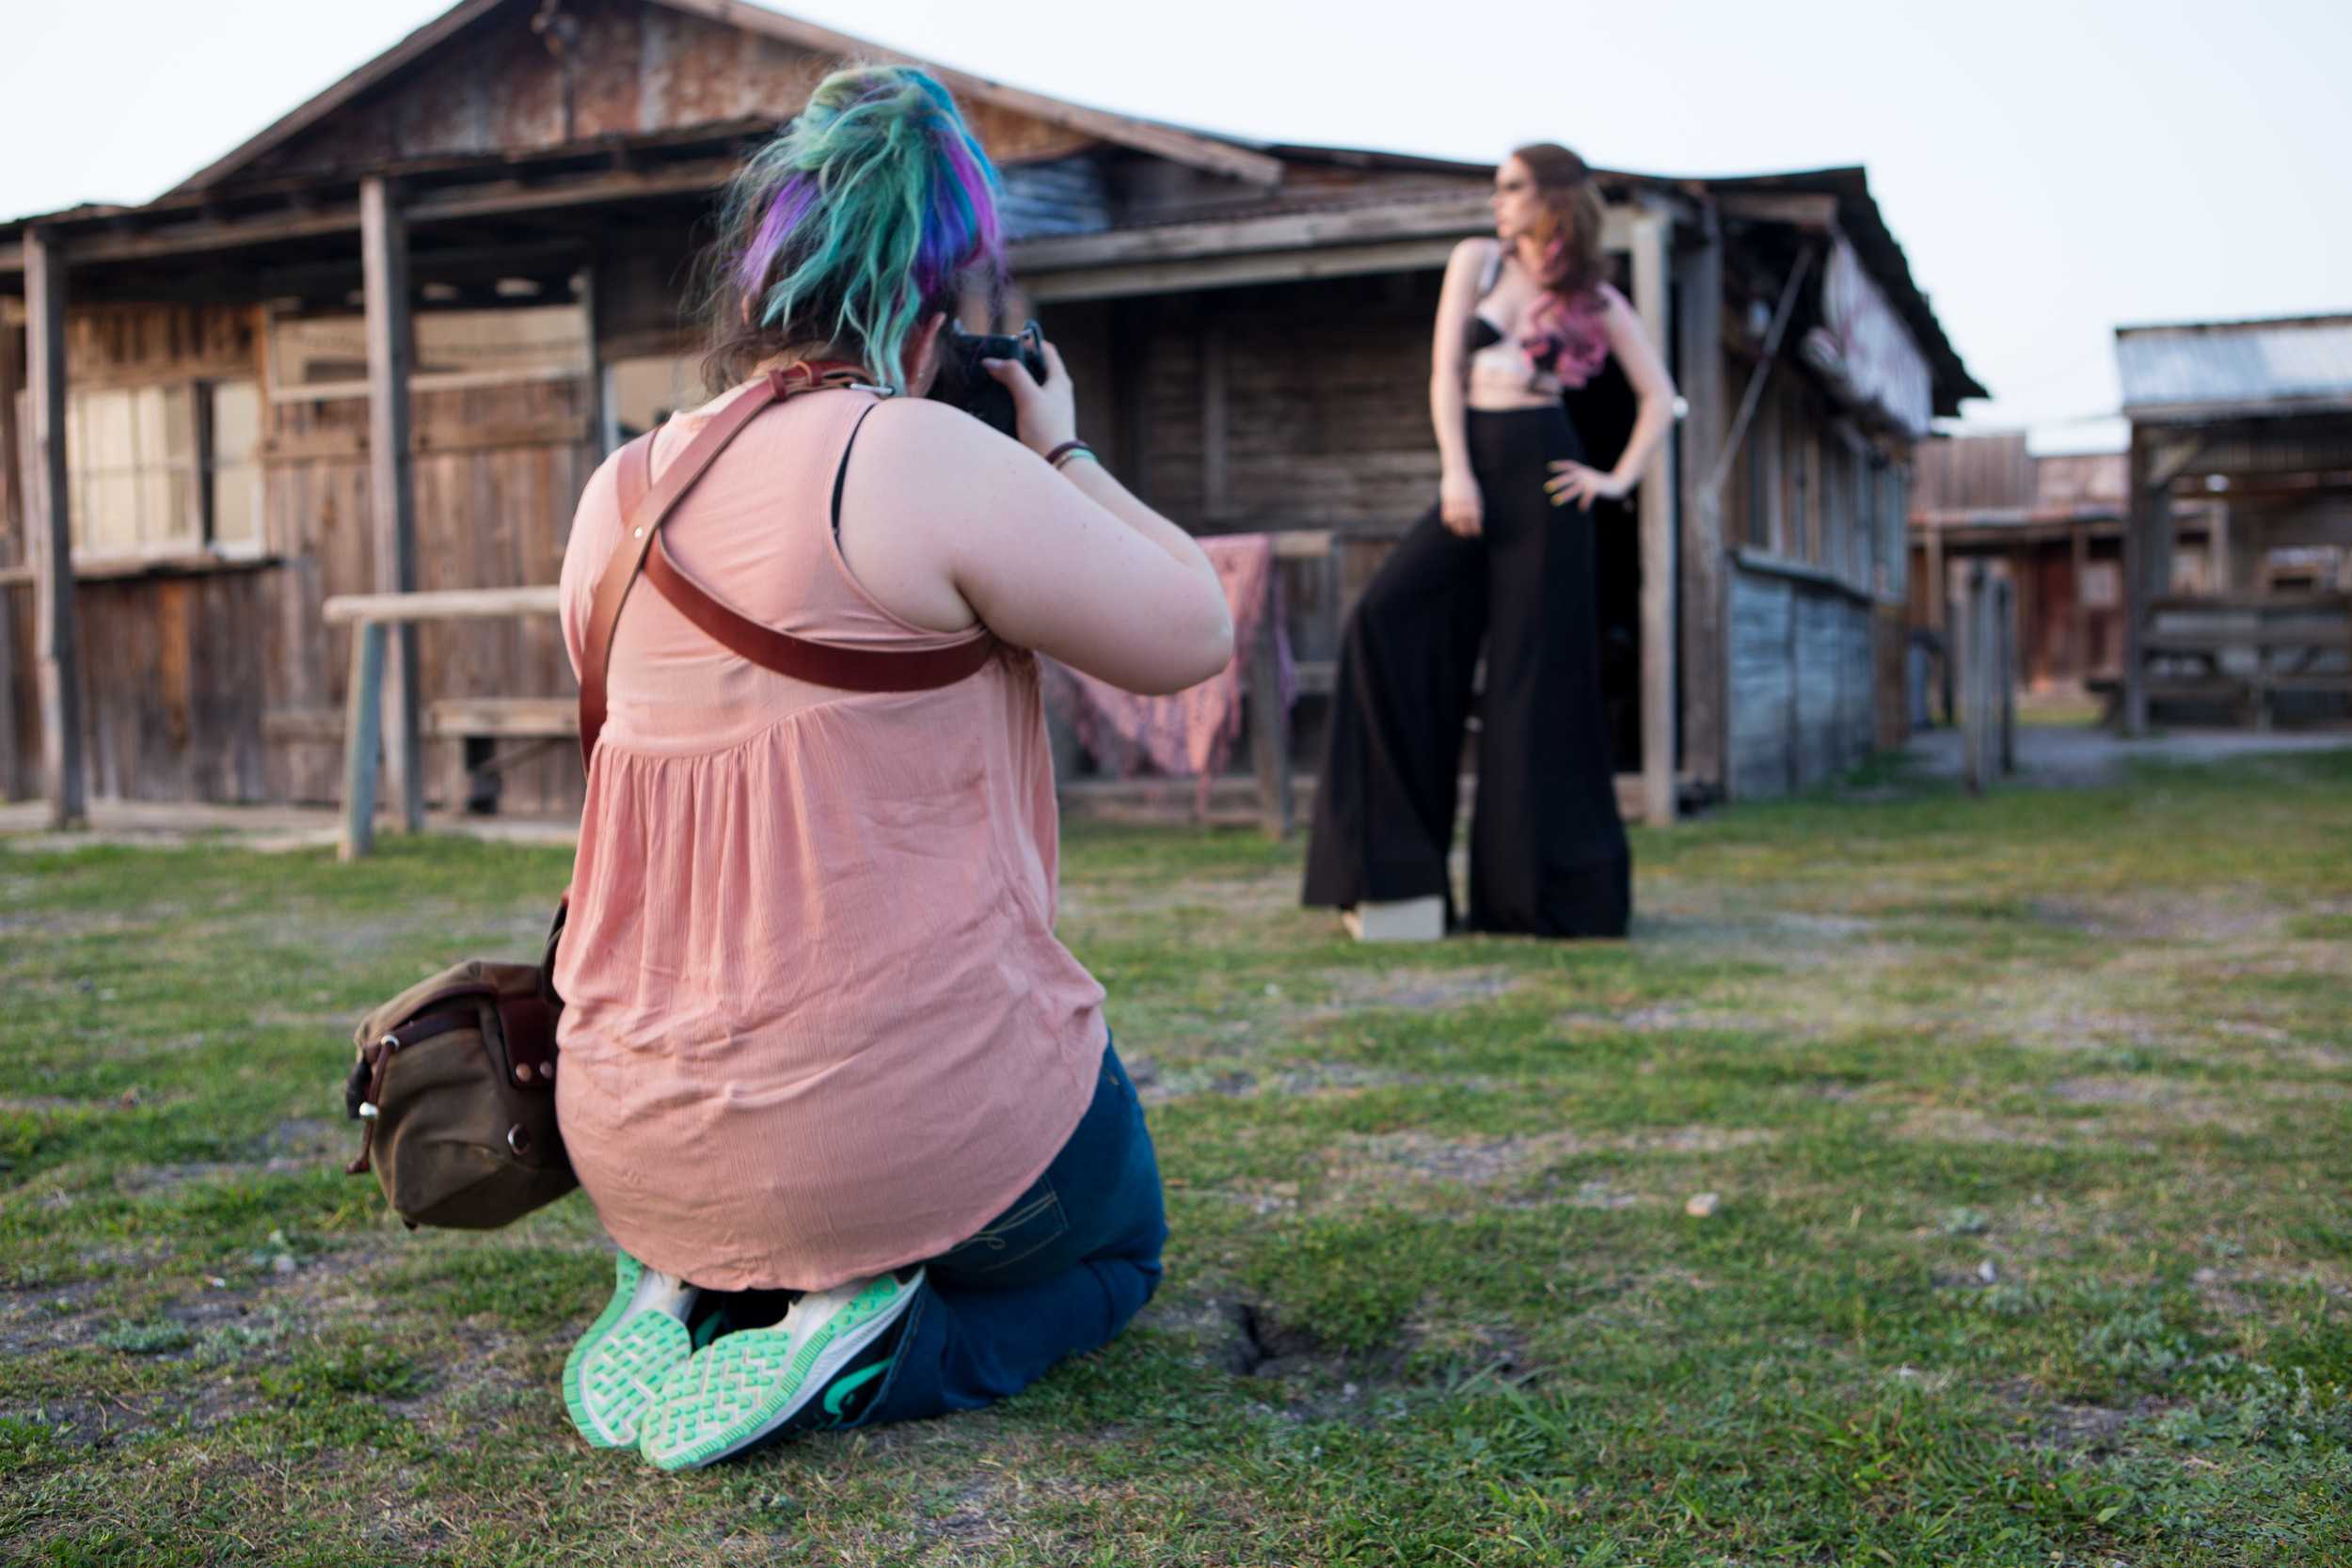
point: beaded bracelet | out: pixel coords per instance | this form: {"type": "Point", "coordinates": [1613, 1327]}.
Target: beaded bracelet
{"type": "Point", "coordinates": [1069, 450]}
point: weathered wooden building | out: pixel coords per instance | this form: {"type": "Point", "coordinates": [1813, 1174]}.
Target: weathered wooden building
{"type": "Point", "coordinates": [2257, 416]}
{"type": "Point", "coordinates": [383, 343]}
{"type": "Point", "coordinates": [2053, 526]}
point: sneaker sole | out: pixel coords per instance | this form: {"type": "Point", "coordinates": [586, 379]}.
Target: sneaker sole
{"type": "Point", "coordinates": [747, 1385]}
{"type": "Point", "coordinates": [611, 1376]}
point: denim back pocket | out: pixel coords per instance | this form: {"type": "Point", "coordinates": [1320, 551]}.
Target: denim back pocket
{"type": "Point", "coordinates": [1035, 1221]}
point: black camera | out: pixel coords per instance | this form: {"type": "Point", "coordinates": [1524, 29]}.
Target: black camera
{"type": "Point", "coordinates": [965, 382]}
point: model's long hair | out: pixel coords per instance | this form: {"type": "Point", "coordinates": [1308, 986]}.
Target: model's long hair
{"type": "Point", "coordinates": [1565, 334]}
{"type": "Point", "coordinates": [873, 209]}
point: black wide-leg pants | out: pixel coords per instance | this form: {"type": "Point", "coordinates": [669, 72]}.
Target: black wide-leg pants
{"type": "Point", "coordinates": [1548, 851]}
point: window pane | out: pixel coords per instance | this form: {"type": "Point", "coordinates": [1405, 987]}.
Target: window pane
{"type": "Point", "coordinates": [237, 505]}
{"type": "Point", "coordinates": [150, 434]}
{"type": "Point", "coordinates": [236, 421]}
{"type": "Point", "coordinates": [156, 492]}
{"type": "Point", "coordinates": [109, 442]}
{"type": "Point", "coordinates": [236, 480]}
{"type": "Point", "coordinates": [177, 444]}
{"type": "Point", "coordinates": [113, 521]}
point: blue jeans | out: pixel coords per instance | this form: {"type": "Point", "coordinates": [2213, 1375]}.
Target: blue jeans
{"type": "Point", "coordinates": [1058, 1273]}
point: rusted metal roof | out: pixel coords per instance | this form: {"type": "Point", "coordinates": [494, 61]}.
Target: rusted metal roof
{"type": "Point", "coordinates": [2288, 365]}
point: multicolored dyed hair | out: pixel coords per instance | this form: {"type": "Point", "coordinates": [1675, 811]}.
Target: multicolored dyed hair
{"type": "Point", "coordinates": [874, 208]}
{"type": "Point", "coordinates": [1565, 335]}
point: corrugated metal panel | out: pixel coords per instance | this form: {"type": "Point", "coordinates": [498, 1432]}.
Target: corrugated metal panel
{"type": "Point", "coordinates": [2242, 363]}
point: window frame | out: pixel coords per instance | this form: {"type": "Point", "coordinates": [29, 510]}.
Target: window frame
{"type": "Point", "coordinates": [193, 537]}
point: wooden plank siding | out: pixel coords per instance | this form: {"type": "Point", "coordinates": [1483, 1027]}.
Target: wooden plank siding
{"type": "Point", "coordinates": [1250, 330]}
{"type": "Point", "coordinates": [1803, 682]}
{"type": "Point", "coordinates": [210, 684]}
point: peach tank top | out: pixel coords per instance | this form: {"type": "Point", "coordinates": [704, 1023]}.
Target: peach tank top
{"type": "Point", "coordinates": [817, 1022]}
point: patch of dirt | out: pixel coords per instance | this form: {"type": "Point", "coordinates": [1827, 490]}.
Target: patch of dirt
{"type": "Point", "coordinates": [2220, 1293]}
{"type": "Point", "coordinates": [1155, 1084]}
{"type": "Point", "coordinates": [2154, 917]}
{"type": "Point", "coordinates": [2092, 1428]}
{"type": "Point", "coordinates": [1950, 1124]}
{"type": "Point", "coordinates": [1378, 1160]}
{"type": "Point", "coordinates": [1415, 990]}
{"type": "Point", "coordinates": [2161, 1095]}
{"type": "Point", "coordinates": [1672, 1018]}
{"type": "Point", "coordinates": [1695, 1140]}
{"type": "Point", "coordinates": [1389, 1165]}
{"type": "Point", "coordinates": [1605, 1194]}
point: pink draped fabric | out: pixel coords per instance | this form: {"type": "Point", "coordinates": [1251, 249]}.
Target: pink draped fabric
{"type": "Point", "coordinates": [1192, 733]}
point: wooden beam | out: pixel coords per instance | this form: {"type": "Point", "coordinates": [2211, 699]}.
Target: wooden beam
{"type": "Point", "coordinates": [1815, 211]}
{"type": "Point", "coordinates": [1706, 652]}
{"type": "Point", "coordinates": [56, 655]}
{"type": "Point", "coordinates": [1449, 217]}
{"type": "Point", "coordinates": [15, 513]}
{"type": "Point", "coordinates": [2080, 546]}
{"type": "Point", "coordinates": [456, 604]}
{"type": "Point", "coordinates": [1214, 466]}
{"type": "Point", "coordinates": [1656, 508]}
{"type": "Point", "coordinates": [391, 496]}
{"type": "Point", "coordinates": [15, 525]}
{"type": "Point", "coordinates": [450, 204]}
{"type": "Point", "coordinates": [1228, 272]}
{"type": "Point", "coordinates": [363, 731]}
{"type": "Point", "coordinates": [2141, 500]}
{"type": "Point", "coordinates": [1269, 719]}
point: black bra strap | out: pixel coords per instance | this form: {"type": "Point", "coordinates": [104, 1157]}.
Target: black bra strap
{"type": "Point", "coordinates": [841, 475]}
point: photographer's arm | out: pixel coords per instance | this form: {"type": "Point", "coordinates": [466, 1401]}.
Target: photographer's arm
{"type": "Point", "coordinates": [946, 519]}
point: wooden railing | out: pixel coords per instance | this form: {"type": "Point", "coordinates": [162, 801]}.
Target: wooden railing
{"type": "Point", "coordinates": [371, 616]}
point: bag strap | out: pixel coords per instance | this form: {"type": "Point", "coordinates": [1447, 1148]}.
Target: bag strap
{"type": "Point", "coordinates": [646, 504]}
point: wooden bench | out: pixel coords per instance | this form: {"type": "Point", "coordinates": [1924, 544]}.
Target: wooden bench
{"type": "Point", "coordinates": [546, 720]}
{"type": "Point", "coordinates": [2242, 651]}
{"type": "Point", "coordinates": [479, 723]}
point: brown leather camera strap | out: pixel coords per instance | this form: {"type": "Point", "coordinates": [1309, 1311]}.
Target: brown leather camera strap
{"type": "Point", "coordinates": [646, 504]}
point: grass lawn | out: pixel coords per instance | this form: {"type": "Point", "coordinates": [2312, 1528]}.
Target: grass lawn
{"type": "Point", "coordinates": [2028, 1120]}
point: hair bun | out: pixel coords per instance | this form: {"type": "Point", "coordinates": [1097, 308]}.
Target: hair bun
{"type": "Point", "coordinates": [873, 205]}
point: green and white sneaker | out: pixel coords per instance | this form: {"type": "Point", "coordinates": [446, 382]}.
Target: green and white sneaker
{"type": "Point", "coordinates": [639, 1338]}
{"type": "Point", "coordinates": [819, 1368]}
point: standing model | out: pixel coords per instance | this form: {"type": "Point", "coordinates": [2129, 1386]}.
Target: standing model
{"type": "Point", "coordinates": [1522, 318]}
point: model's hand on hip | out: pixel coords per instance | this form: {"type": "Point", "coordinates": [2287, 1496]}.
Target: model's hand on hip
{"type": "Point", "coordinates": [1045, 416]}
{"type": "Point", "coordinates": [1460, 507]}
{"type": "Point", "coordinates": [1582, 484]}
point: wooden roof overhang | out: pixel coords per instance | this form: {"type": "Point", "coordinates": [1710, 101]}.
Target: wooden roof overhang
{"type": "Point", "coordinates": [471, 221]}
{"type": "Point", "coordinates": [1297, 238]}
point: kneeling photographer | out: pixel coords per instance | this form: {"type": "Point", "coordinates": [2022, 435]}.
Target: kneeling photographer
{"type": "Point", "coordinates": [845, 1102]}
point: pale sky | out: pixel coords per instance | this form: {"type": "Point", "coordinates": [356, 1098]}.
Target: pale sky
{"type": "Point", "coordinates": [2051, 169]}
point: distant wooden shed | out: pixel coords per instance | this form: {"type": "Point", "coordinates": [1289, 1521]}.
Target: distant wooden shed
{"type": "Point", "coordinates": [383, 343]}
{"type": "Point", "coordinates": [2254, 419]}
{"type": "Point", "coordinates": [2053, 526]}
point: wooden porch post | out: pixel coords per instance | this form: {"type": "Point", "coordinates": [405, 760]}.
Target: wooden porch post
{"type": "Point", "coordinates": [391, 493]}
{"type": "Point", "coordinates": [50, 535]}
{"type": "Point", "coordinates": [1657, 511]}
{"type": "Point", "coordinates": [1706, 655]}
{"type": "Point", "coordinates": [604, 414]}
{"type": "Point", "coordinates": [16, 522]}
{"type": "Point", "coordinates": [2135, 524]}
{"type": "Point", "coordinates": [2079, 541]}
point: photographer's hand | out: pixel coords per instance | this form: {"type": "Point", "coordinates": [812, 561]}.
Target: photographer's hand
{"type": "Point", "coordinates": [1045, 416]}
